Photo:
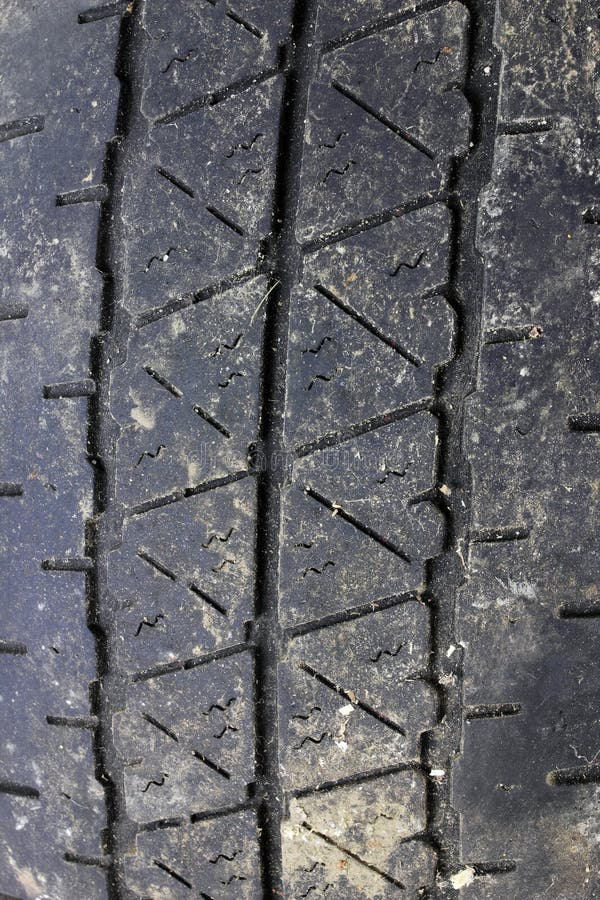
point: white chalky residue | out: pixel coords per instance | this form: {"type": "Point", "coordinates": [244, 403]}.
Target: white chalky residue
{"type": "Point", "coordinates": [463, 878]}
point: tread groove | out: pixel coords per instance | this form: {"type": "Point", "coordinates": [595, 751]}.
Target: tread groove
{"type": "Point", "coordinates": [218, 96]}
{"type": "Point", "coordinates": [360, 526]}
{"type": "Point", "coordinates": [454, 383]}
{"type": "Point", "coordinates": [414, 142]}
{"type": "Point", "coordinates": [385, 875]}
{"type": "Point", "coordinates": [107, 350]}
{"type": "Point", "coordinates": [367, 708]}
{"type": "Point", "coordinates": [303, 57]}
{"type": "Point", "coordinates": [370, 326]}
{"type": "Point", "coordinates": [20, 127]}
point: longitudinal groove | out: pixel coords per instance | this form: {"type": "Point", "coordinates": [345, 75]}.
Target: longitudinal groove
{"type": "Point", "coordinates": [108, 351]}
{"type": "Point", "coordinates": [288, 259]}
{"type": "Point", "coordinates": [455, 382]}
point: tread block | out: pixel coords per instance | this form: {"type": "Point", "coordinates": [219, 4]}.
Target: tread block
{"type": "Point", "coordinates": [355, 840]}
{"type": "Point", "coordinates": [182, 756]}
{"type": "Point", "coordinates": [534, 52]}
{"type": "Point", "coordinates": [377, 478]}
{"type": "Point", "coordinates": [200, 48]}
{"type": "Point", "coordinates": [537, 374]}
{"type": "Point", "coordinates": [362, 127]}
{"type": "Point", "coordinates": [215, 858]}
{"type": "Point", "coordinates": [187, 398]}
{"type": "Point", "coordinates": [392, 275]}
{"type": "Point", "coordinates": [427, 55]}
{"type": "Point", "coordinates": [498, 767]}
{"type": "Point", "coordinates": [205, 218]}
{"type": "Point", "coordinates": [183, 577]}
{"type": "Point", "coordinates": [61, 79]}
{"type": "Point", "coordinates": [352, 375]}
{"type": "Point", "coordinates": [359, 708]}
{"type": "Point", "coordinates": [351, 509]}
{"type": "Point", "coordinates": [324, 561]}
{"type": "Point", "coordinates": [67, 817]}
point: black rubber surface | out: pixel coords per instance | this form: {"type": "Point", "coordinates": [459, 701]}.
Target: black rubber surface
{"type": "Point", "coordinates": [299, 460]}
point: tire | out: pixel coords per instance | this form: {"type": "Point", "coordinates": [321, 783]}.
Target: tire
{"type": "Point", "coordinates": [299, 470]}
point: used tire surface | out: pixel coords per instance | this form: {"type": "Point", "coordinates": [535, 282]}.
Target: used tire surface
{"type": "Point", "coordinates": [299, 484]}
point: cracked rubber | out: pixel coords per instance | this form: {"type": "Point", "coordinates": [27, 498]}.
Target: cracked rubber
{"type": "Point", "coordinates": [299, 459]}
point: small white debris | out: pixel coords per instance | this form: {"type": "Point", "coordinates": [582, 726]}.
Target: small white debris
{"type": "Point", "coordinates": [487, 70]}
{"type": "Point", "coordinates": [342, 745]}
{"type": "Point", "coordinates": [346, 710]}
{"type": "Point", "coordinates": [144, 417]}
{"type": "Point", "coordinates": [451, 649]}
{"type": "Point", "coordinates": [445, 490]}
{"type": "Point", "coordinates": [437, 773]}
{"type": "Point", "coordinates": [463, 878]}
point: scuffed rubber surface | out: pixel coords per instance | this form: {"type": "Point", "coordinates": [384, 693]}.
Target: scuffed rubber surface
{"type": "Point", "coordinates": [526, 785]}
{"type": "Point", "coordinates": [298, 475]}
